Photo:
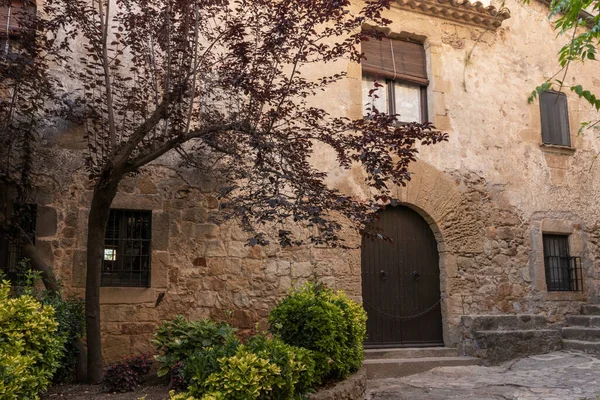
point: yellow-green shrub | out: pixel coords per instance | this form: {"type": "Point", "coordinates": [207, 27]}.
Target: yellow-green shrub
{"type": "Point", "coordinates": [30, 348]}
{"type": "Point", "coordinates": [244, 376]}
{"type": "Point", "coordinates": [328, 323]}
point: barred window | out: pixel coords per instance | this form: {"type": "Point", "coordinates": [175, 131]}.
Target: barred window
{"type": "Point", "coordinates": [563, 272]}
{"type": "Point", "coordinates": [11, 251]}
{"type": "Point", "coordinates": [127, 253]}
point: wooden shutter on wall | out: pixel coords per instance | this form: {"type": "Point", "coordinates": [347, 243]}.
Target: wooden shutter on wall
{"type": "Point", "coordinates": [555, 118]}
{"type": "Point", "coordinates": [395, 59]}
{"type": "Point", "coordinates": [11, 17]}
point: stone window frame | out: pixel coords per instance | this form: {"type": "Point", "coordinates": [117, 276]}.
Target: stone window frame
{"type": "Point", "coordinates": [159, 254]}
{"type": "Point", "coordinates": [119, 218]}
{"type": "Point", "coordinates": [435, 106]}
{"type": "Point", "coordinates": [537, 266]}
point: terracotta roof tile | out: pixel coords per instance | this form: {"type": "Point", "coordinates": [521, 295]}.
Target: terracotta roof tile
{"type": "Point", "coordinates": [460, 11]}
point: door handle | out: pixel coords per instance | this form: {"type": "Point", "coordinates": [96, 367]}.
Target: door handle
{"type": "Point", "coordinates": [382, 275]}
{"type": "Point", "coordinates": [416, 276]}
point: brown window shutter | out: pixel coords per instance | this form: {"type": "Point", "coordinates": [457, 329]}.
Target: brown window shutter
{"type": "Point", "coordinates": [395, 59]}
{"type": "Point", "coordinates": [11, 17]}
{"type": "Point", "coordinates": [555, 118]}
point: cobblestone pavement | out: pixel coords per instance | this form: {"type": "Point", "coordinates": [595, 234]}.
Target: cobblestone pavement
{"type": "Point", "coordinates": [560, 375]}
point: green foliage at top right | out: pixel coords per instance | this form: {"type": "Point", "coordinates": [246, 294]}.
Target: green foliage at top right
{"type": "Point", "coordinates": [179, 339]}
{"type": "Point", "coordinates": [328, 323]}
{"type": "Point", "coordinates": [579, 21]}
{"type": "Point", "coordinates": [30, 348]}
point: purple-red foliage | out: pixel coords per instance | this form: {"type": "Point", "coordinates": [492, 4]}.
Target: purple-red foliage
{"type": "Point", "coordinates": [126, 375]}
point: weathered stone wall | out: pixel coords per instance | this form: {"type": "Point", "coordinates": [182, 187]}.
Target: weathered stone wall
{"type": "Point", "coordinates": [199, 269]}
{"type": "Point", "coordinates": [488, 194]}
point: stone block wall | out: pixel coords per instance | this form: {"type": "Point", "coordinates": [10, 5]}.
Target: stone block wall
{"type": "Point", "coordinates": [489, 194]}
{"type": "Point", "coordinates": [198, 269]}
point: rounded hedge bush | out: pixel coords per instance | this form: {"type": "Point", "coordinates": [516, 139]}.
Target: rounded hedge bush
{"type": "Point", "coordinates": [30, 347]}
{"type": "Point", "coordinates": [328, 323]}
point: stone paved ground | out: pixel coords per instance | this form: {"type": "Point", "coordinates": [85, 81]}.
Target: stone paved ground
{"type": "Point", "coordinates": [556, 376]}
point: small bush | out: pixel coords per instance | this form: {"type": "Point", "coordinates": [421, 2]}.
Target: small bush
{"type": "Point", "coordinates": [69, 313]}
{"type": "Point", "coordinates": [179, 339]}
{"type": "Point", "coordinates": [244, 376]}
{"type": "Point", "coordinates": [326, 322]}
{"type": "Point", "coordinates": [205, 362]}
{"type": "Point", "coordinates": [71, 326]}
{"type": "Point", "coordinates": [125, 376]}
{"type": "Point", "coordinates": [296, 364]}
{"type": "Point", "coordinates": [30, 348]}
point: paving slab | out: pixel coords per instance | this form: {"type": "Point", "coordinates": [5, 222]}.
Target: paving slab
{"type": "Point", "coordinates": [562, 375]}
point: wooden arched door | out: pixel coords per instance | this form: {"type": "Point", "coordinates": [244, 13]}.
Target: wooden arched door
{"type": "Point", "coordinates": [401, 282]}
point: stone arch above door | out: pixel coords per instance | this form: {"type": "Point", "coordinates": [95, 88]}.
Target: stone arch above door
{"type": "Point", "coordinates": [440, 200]}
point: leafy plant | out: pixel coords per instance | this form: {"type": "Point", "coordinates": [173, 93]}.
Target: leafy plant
{"type": "Point", "coordinates": [326, 322]}
{"type": "Point", "coordinates": [30, 348]}
{"type": "Point", "coordinates": [69, 313]}
{"type": "Point", "coordinates": [296, 364]}
{"type": "Point", "coordinates": [179, 339]}
{"type": "Point", "coordinates": [205, 362]}
{"type": "Point", "coordinates": [244, 376]}
{"type": "Point", "coordinates": [125, 376]}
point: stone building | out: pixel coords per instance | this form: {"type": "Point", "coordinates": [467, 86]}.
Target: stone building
{"type": "Point", "coordinates": [501, 219]}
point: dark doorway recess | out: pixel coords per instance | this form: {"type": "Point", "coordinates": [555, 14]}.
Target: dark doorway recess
{"type": "Point", "coordinates": [401, 282]}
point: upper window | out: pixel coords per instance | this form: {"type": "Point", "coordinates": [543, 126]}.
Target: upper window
{"type": "Point", "coordinates": [397, 68]}
{"type": "Point", "coordinates": [11, 251]}
{"type": "Point", "coordinates": [12, 19]}
{"type": "Point", "coordinates": [555, 118]}
{"type": "Point", "coordinates": [126, 258]}
{"type": "Point", "coordinates": [563, 272]}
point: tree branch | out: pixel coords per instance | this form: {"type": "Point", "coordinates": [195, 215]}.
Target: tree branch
{"type": "Point", "coordinates": [178, 140]}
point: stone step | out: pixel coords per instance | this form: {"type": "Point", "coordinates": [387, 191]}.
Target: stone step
{"type": "Point", "coordinates": [584, 320]}
{"type": "Point", "coordinates": [582, 345]}
{"type": "Point", "coordinates": [581, 333]}
{"type": "Point", "coordinates": [411, 352]}
{"type": "Point", "coordinates": [503, 322]}
{"type": "Point", "coordinates": [590, 309]}
{"type": "Point", "coordinates": [398, 367]}
{"type": "Point", "coordinates": [499, 346]}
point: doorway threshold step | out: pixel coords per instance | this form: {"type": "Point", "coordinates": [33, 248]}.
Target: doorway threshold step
{"type": "Point", "coordinates": [399, 367]}
{"type": "Point", "coordinates": [410, 352]}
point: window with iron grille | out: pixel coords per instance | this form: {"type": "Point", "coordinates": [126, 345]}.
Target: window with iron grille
{"type": "Point", "coordinates": [15, 17]}
{"type": "Point", "coordinates": [394, 78]}
{"type": "Point", "coordinates": [555, 118]}
{"type": "Point", "coordinates": [11, 250]}
{"type": "Point", "coordinates": [127, 253]}
{"type": "Point", "coordinates": [563, 272]}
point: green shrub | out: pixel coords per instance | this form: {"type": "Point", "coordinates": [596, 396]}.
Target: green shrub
{"type": "Point", "coordinates": [179, 339]}
{"type": "Point", "coordinates": [30, 348]}
{"type": "Point", "coordinates": [205, 362]}
{"type": "Point", "coordinates": [326, 322]}
{"type": "Point", "coordinates": [244, 376]}
{"type": "Point", "coordinates": [296, 364]}
{"type": "Point", "coordinates": [69, 313]}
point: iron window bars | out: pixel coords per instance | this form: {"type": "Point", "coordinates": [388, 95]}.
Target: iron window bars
{"type": "Point", "coordinates": [127, 250]}
{"type": "Point", "coordinates": [11, 252]}
{"type": "Point", "coordinates": [563, 272]}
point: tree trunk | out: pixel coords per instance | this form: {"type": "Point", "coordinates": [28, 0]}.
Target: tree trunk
{"type": "Point", "coordinates": [104, 193]}
{"type": "Point", "coordinates": [38, 264]}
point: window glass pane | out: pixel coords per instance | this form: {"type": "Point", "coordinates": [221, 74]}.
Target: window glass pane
{"type": "Point", "coordinates": [379, 98]}
{"type": "Point", "coordinates": [407, 101]}
{"type": "Point", "coordinates": [110, 254]}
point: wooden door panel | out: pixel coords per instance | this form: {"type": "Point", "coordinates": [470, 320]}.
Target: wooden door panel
{"type": "Point", "coordinates": [401, 281]}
